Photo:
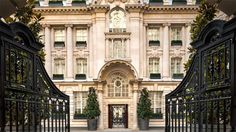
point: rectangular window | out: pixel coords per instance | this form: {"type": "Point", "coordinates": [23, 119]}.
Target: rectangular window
{"type": "Point", "coordinates": [117, 48]}
{"type": "Point", "coordinates": [176, 68]}
{"type": "Point", "coordinates": [80, 100]}
{"type": "Point", "coordinates": [156, 101]}
{"type": "Point", "coordinates": [59, 36]}
{"type": "Point", "coordinates": [81, 37]}
{"type": "Point", "coordinates": [176, 36]}
{"type": "Point", "coordinates": [81, 68]}
{"type": "Point", "coordinates": [59, 69]}
{"type": "Point", "coordinates": [153, 36]}
{"type": "Point", "coordinates": [154, 68]}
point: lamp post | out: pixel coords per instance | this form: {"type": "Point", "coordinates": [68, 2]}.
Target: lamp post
{"type": "Point", "coordinates": [227, 6]}
{"type": "Point", "coordinates": [8, 7]}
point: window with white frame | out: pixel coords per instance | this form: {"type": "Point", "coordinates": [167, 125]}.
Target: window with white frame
{"type": "Point", "coordinates": [118, 85]}
{"type": "Point", "coordinates": [59, 68]}
{"type": "Point", "coordinates": [59, 38]}
{"type": "Point", "coordinates": [117, 49]}
{"type": "Point", "coordinates": [156, 101]}
{"type": "Point", "coordinates": [81, 37]}
{"type": "Point", "coordinates": [80, 100]}
{"type": "Point", "coordinates": [81, 68]}
{"type": "Point", "coordinates": [154, 66]}
{"type": "Point", "coordinates": [176, 36]}
{"type": "Point", "coordinates": [176, 68]}
{"type": "Point", "coordinates": [153, 36]}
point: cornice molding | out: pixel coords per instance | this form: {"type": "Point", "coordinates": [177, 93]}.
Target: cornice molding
{"type": "Point", "coordinates": [105, 8]}
{"type": "Point", "coordinates": [73, 9]}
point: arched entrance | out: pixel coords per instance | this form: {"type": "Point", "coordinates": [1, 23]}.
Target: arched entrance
{"type": "Point", "coordinates": [118, 101]}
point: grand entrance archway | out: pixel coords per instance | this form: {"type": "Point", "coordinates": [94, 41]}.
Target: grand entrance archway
{"type": "Point", "coordinates": [118, 98]}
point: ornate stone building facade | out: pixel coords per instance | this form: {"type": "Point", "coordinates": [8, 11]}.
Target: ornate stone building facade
{"type": "Point", "coordinates": [118, 47]}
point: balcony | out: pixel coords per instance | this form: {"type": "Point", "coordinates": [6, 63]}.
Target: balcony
{"type": "Point", "coordinates": [179, 2]}
{"type": "Point", "coordinates": [58, 76]}
{"type": "Point", "coordinates": [55, 3]}
{"type": "Point", "coordinates": [81, 44]}
{"type": "Point", "coordinates": [78, 2]}
{"type": "Point", "coordinates": [154, 43]}
{"type": "Point", "coordinates": [155, 76]}
{"type": "Point", "coordinates": [176, 43]}
{"type": "Point", "coordinates": [80, 76]}
{"type": "Point", "coordinates": [178, 76]}
{"type": "Point", "coordinates": [58, 44]}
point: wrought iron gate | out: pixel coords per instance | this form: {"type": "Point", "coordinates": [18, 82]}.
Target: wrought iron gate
{"type": "Point", "coordinates": [205, 100]}
{"type": "Point", "coordinates": [29, 100]}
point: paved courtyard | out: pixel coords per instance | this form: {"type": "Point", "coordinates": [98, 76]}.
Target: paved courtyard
{"type": "Point", "coordinates": [118, 130]}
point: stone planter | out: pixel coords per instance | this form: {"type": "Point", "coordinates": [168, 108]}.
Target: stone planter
{"type": "Point", "coordinates": [92, 124]}
{"type": "Point", "coordinates": [143, 124]}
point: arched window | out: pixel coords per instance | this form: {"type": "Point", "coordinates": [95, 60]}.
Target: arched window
{"type": "Point", "coordinates": [118, 85]}
{"type": "Point", "coordinates": [117, 20]}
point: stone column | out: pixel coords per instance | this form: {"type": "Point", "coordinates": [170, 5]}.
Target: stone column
{"type": "Point", "coordinates": [48, 59]}
{"type": "Point", "coordinates": [128, 48]}
{"type": "Point", "coordinates": [135, 101]}
{"type": "Point", "coordinates": [69, 53]}
{"type": "Point", "coordinates": [100, 99]}
{"type": "Point", "coordinates": [69, 92]}
{"type": "Point", "coordinates": [107, 49]}
{"type": "Point", "coordinates": [145, 43]}
{"type": "Point", "coordinates": [188, 40]}
{"type": "Point", "coordinates": [166, 59]}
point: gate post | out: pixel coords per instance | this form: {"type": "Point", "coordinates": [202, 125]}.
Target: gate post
{"type": "Point", "coordinates": [233, 84]}
{"type": "Point", "coordinates": [2, 92]}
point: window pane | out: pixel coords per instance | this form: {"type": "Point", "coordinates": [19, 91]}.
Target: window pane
{"type": "Point", "coordinates": [81, 34]}
{"type": "Point", "coordinates": [59, 66]}
{"type": "Point", "coordinates": [153, 33]}
{"type": "Point", "coordinates": [59, 35]}
{"type": "Point", "coordinates": [176, 33]}
{"type": "Point", "coordinates": [153, 65]}
{"type": "Point", "coordinates": [81, 66]}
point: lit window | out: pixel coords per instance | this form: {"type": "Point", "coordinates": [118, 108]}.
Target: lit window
{"type": "Point", "coordinates": [80, 100]}
{"type": "Point", "coordinates": [176, 68]}
{"type": "Point", "coordinates": [153, 36]}
{"type": "Point", "coordinates": [156, 101]}
{"type": "Point", "coordinates": [81, 37]}
{"type": "Point", "coordinates": [176, 36]}
{"type": "Point", "coordinates": [59, 68]}
{"type": "Point", "coordinates": [118, 85]}
{"type": "Point", "coordinates": [81, 68]}
{"type": "Point", "coordinates": [154, 68]}
{"type": "Point", "coordinates": [59, 37]}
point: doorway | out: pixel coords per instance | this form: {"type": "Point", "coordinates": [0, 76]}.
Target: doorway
{"type": "Point", "coordinates": [118, 116]}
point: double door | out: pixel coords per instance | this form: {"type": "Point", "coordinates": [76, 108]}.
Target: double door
{"type": "Point", "coordinates": [118, 115]}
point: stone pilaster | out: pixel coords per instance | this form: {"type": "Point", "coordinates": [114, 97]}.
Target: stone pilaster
{"type": "Point", "coordinates": [69, 53]}
{"type": "Point", "coordinates": [100, 99]}
{"type": "Point", "coordinates": [48, 58]}
{"type": "Point", "coordinates": [69, 92]}
{"type": "Point", "coordinates": [166, 46]}
{"type": "Point", "coordinates": [187, 40]}
{"type": "Point", "coordinates": [145, 43]}
{"type": "Point", "coordinates": [135, 101]}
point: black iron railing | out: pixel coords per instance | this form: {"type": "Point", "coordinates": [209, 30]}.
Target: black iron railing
{"type": "Point", "coordinates": [203, 102]}
{"type": "Point", "coordinates": [29, 101]}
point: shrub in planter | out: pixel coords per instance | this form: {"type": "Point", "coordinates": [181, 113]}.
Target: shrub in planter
{"type": "Point", "coordinates": [144, 110]}
{"type": "Point", "coordinates": [92, 111]}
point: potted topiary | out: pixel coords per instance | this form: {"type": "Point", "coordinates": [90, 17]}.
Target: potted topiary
{"type": "Point", "coordinates": [92, 111]}
{"type": "Point", "coordinates": [144, 110]}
